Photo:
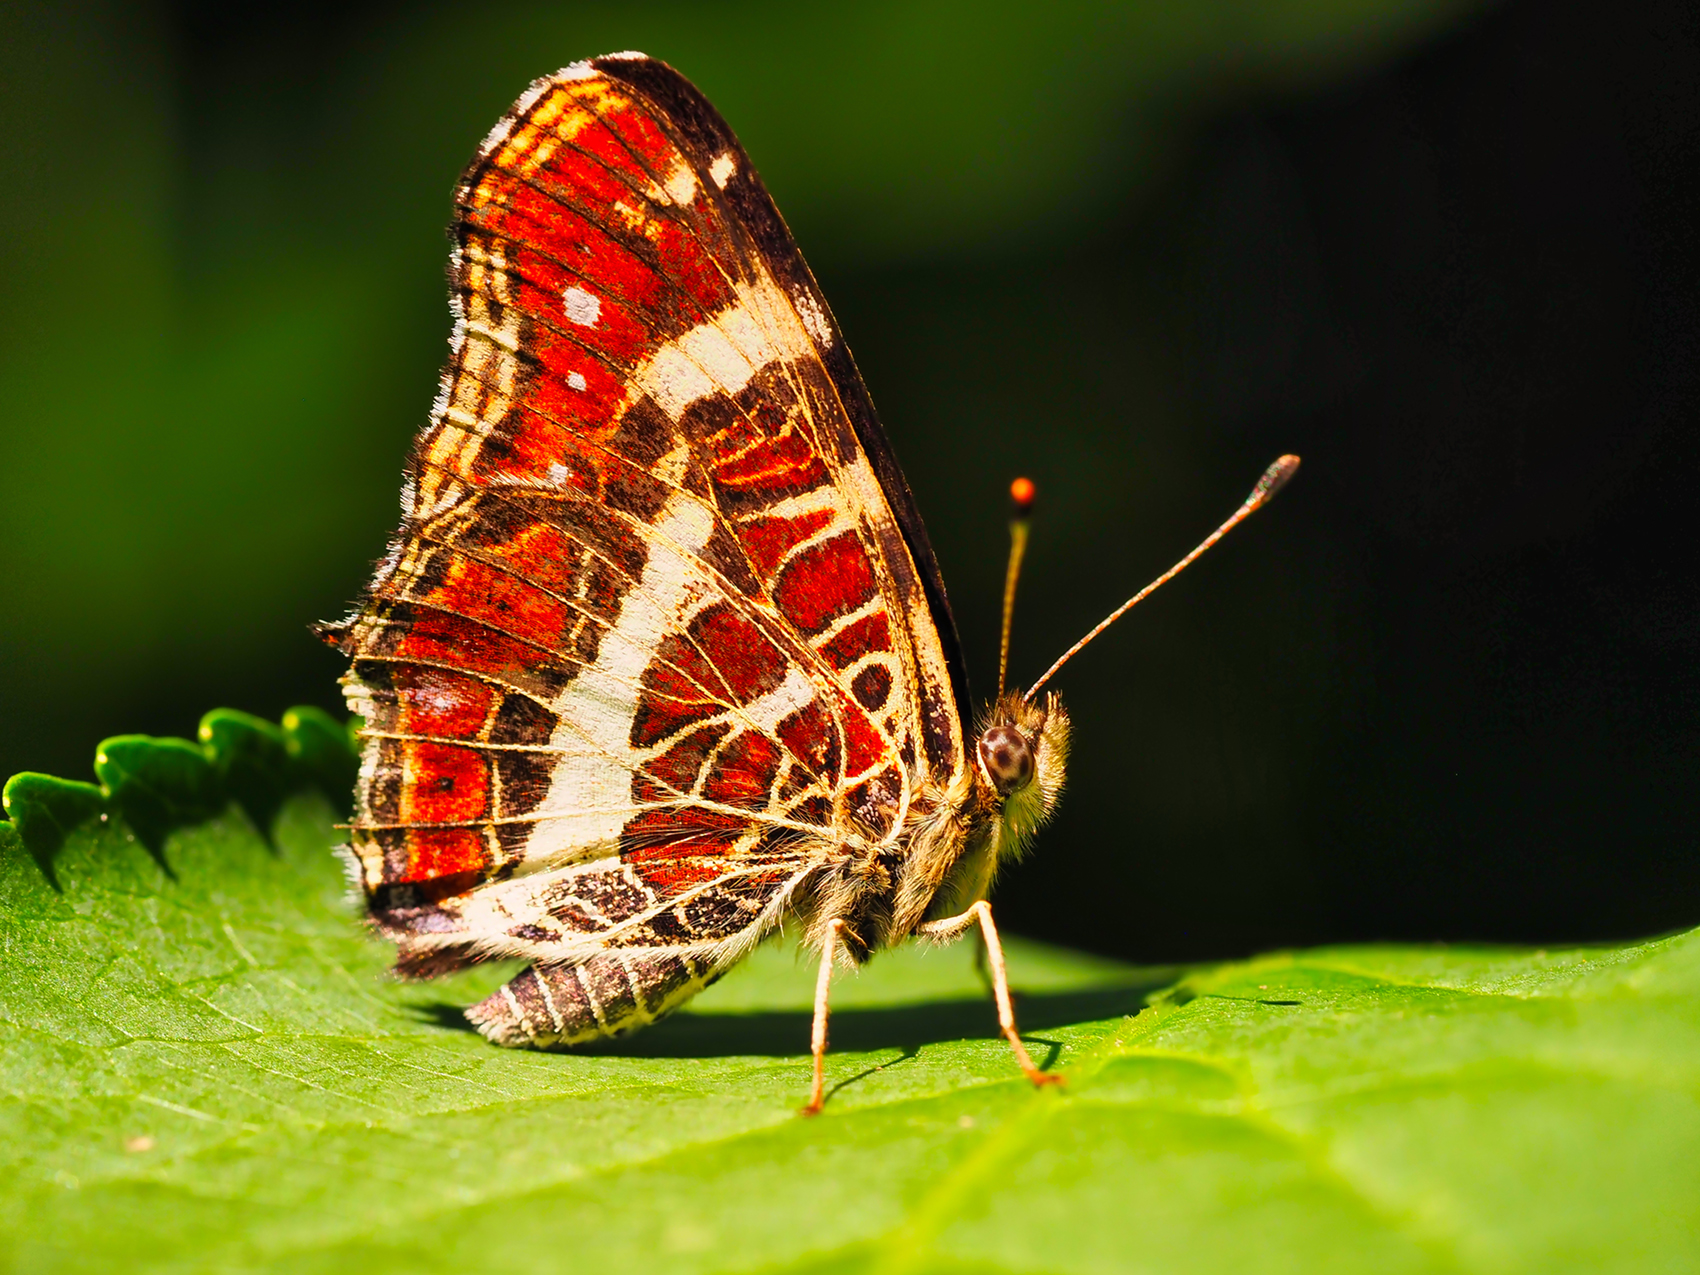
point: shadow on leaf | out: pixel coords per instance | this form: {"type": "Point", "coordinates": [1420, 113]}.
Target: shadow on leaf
{"type": "Point", "coordinates": [785, 1033]}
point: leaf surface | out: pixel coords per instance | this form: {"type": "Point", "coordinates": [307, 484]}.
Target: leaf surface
{"type": "Point", "coordinates": [205, 1067]}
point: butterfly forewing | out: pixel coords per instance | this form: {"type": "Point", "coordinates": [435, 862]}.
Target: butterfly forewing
{"type": "Point", "coordinates": [660, 630]}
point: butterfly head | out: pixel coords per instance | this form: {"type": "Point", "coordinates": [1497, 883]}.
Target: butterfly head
{"type": "Point", "coordinates": [1020, 757]}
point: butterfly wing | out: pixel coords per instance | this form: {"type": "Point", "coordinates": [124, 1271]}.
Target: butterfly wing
{"type": "Point", "coordinates": [661, 632]}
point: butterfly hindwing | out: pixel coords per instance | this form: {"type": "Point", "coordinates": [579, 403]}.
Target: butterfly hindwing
{"type": "Point", "coordinates": [660, 628]}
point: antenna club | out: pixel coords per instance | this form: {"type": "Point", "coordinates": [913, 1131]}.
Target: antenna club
{"type": "Point", "coordinates": [1274, 478]}
{"type": "Point", "coordinates": [1022, 493]}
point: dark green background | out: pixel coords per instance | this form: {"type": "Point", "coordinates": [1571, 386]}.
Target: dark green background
{"type": "Point", "coordinates": [1445, 688]}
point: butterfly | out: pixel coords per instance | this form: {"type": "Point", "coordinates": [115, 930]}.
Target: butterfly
{"type": "Point", "coordinates": [659, 662]}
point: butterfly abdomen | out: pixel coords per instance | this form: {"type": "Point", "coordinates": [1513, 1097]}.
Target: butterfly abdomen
{"type": "Point", "coordinates": [608, 995]}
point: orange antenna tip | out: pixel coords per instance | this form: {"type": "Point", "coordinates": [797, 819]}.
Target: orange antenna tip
{"type": "Point", "coordinates": [1022, 492]}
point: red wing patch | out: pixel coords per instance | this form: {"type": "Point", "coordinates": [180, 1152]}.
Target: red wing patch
{"type": "Point", "coordinates": [660, 633]}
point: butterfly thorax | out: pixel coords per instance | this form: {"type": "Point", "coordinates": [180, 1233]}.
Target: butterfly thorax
{"type": "Point", "coordinates": [959, 833]}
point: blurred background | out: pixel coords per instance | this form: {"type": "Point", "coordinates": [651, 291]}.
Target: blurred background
{"type": "Point", "coordinates": [1445, 688]}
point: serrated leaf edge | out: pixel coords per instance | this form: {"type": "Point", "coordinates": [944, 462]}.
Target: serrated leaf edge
{"type": "Point", "coordinates": [307, 748]}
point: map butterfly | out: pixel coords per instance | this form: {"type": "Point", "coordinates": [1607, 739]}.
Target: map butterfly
{"type": "Point", "coordinates": [659, 660]}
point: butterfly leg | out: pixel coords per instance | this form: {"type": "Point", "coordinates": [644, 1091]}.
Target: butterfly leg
{"type": "Point", "coordinates": [817, 1036]}
{"type": "Point", "coordinates": [951, 926]}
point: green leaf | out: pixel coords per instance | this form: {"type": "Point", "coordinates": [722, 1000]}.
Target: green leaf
{"type": "Point", "coordinates": [251, 759]}
{"type": "Point", "coordinates": [44, 810]}
{"type": "Point", "coordinates": [205, 1068]}
{"type": "Point", "coordinates": [322, 750]}
{"type": "Point", "coordinates": [157, 784]}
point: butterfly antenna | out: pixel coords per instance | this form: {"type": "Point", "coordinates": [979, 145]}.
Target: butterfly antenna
{"type": "Point", "coordinates": [1274, 478]}
{"type": "Point", "coordinates": [1021, 493]}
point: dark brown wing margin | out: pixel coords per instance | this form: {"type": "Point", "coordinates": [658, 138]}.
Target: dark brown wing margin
{"type": "Point", "coordinates": [701, 126]}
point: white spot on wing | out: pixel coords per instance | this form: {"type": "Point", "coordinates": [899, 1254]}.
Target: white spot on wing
{"type": "Point", "coordinates": [577, 71]}
{"type": "Point", "coordinates": [583, 308]}
{"type": "Point", "coordinates": [813, 317]}
{"type": "Point", "coordinates": [682, 185]}
{"type": "Point", "coordinates": [575, 380]}
{"type": "Point", "coordinates": [722, 169]}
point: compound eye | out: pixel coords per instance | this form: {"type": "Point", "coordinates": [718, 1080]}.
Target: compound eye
{"type": "Point", "coordinates": [1007, 758]}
